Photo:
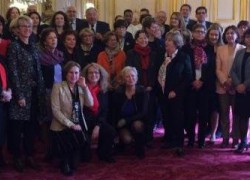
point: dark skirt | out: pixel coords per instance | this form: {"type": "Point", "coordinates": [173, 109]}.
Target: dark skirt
{"type": "Point", "coordinates": [67, 141]}
{"type": "Point", "coordinates": [3, 120]}
{"type": "Point", "coordinates": [242, 104]}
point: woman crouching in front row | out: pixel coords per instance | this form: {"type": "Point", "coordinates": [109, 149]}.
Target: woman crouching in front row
{"type": "Point", "coordinates": [130, 104]}
{"type": "Point", "coordinates": [68, 127]}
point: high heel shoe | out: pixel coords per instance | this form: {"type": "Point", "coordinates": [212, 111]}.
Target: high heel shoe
{"type": "Point", "coordinates": [241, 148]}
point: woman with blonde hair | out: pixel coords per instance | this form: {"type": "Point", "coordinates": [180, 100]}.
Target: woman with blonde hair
{"type": "Point", "coordinates": [130, 105]}
{"type": "Point", "coordinates": [97, 80]}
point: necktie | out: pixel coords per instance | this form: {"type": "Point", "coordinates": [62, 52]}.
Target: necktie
{"type": "Point", "coordinates": [92, 28]}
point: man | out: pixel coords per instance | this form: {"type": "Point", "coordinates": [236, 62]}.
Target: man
{"type": "Point", "coordinates": [161, 18]}
{"type": "Point", "coordinates": [185, 11]}
{"type": "Point", "coordinates": [128, 16]}
{"type": "Point", "coordinates": [201, 15]}
{"type": "Point", "coordinates": [99, 27]}
{"type": "Point", "coordinates": [75, 23]}
{"type": "Point", "coordinates": [144, 11]}
{"type": "Point", "coordinates": [31, 8]}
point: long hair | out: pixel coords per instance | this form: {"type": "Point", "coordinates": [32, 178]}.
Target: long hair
{"type": "Point", "coordinates": [104, 76]}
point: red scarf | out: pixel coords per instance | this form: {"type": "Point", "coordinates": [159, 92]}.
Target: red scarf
{"type": "Point", "coordinates": [94, 90]}
{"type": "Point", "coordinates": [200, 56]}
{"type": "Point", "coordinates": [144, 55]}
{"type": "Point", "coordinates": [3, 77]}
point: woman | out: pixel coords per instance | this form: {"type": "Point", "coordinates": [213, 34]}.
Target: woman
{"type": "Point", "coordinates": [214, 40]}
{"type": "Point", "coordinates": [88, 50]}
{"type": "Point", "coordinates": [5, 97]}
{"type": "Point", "coordinates": [37, 27]}
{"type": "Point", "coordinates": [28, 89]}
{"type": "Point", "coordinates": [177, 23]}
{"type": "Point", "coordinates": [51, 60]}
{"type": "Point", "coordinates": [224, 60]}
{"type": "Point", "coordinates": [144, 60]}
{"type": "Point", "coordinates": [68, 127]}
{"type": "Point", "coordinates": [11, 14]}
{"type": "Point", "coordinates": [174, 78]}
{"type": "Point", "coordinates": [4, 43]}
{"type": "Point", "coordinates": [240, 74]}
{"type": "Point", "coordinates": [112, 59]}
{"type": "Point", "coordinates": [200, 88]}
{"type": "Point", "coordinates": [60, 23]}
{"type": "Point", "coordinates": [97, 115]}
{"type": "Point", "coordinates": [70, 49]}
{"type": "Point", "coordinates": [129, 104]}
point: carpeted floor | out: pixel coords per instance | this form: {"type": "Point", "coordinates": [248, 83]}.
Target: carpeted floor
{"type": "Point", "coordinates": [159, 164]}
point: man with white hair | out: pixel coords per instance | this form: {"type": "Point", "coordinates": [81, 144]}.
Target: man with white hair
{"type": "Point", "coordinates": [99, 27]}
{"type": "Point", "coordinates": [75, 23]}
{"type": "Point", "coordinates": [161, 18]}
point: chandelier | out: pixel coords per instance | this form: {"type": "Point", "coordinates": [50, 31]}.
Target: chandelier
{"type": "Point", "coordinates": [28, 1]}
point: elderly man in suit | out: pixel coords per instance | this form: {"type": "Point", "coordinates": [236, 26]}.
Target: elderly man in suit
{"type": "Point", "coordinates": [75, 23]}
{"type": "Point", "coordinates": [99, 27]}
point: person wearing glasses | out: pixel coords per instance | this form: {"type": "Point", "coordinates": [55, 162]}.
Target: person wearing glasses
{"type": "Point", "coordinates": [201, 85]}
{"type": "Point", "coordinates": [201, 15]}
{"type": "Point", "coordinates": [28, 89]}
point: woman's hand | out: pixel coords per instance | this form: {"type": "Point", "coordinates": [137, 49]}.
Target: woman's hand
{"type": "Point", "coordinates": [95, 133]}
{"type": "Point", "coordinates": [121, 123]}
{"type": "Point", "coordinates": [22, 102]}
{"type": "Point", "coordinates": [171, 95]}
{"type": "Point", "coordinates": [81, 82]}
{"type": "Point", "coordinates": [7, 95]}
{"type": "Point", "coordinates": [241, 88]}
{"type": "Point", "coordinates": [76, 127]}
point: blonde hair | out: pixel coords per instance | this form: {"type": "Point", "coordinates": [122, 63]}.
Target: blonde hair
{"type": "Point", "coordinates": [104, 76]}
{"type": "Point", "coordinates": [125, 70]}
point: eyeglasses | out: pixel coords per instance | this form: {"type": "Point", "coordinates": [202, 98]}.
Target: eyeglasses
{"type": "Point", "coordinates": [202, 12]}
{"type": "Point", "coordinates": [93, 72]}
{"type": "Point", "coordinates": [199, 31]}
{"type": "Point", "coordinates": [25, 26]}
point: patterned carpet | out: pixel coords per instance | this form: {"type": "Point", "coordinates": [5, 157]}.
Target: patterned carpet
{"type": "Point", "coordinates": [159, 164]}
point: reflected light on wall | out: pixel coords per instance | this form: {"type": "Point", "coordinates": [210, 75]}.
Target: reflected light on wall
{"type": "Point", "coordinates": [19, 5]}
{"type": "Point", "coordinates": [88, 5]}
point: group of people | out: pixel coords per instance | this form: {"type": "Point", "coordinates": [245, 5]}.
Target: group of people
{"type": "Point", "coordinates": [78, 82]}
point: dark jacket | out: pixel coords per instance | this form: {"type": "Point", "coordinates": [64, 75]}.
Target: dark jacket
{"type": "Point", "coordinates": [101, 27]}
{"type": "Point", "coordinates": [141, 103]}
{"type": "Point", "coordinates": [129, 42]}
{"type": "Point", "coordinates": [93, 120]}
{"type": "Point", "coordinates": [24, 71]}
{"type": "Point", "coordinates": [207, 70]}
{"type": "Point", "coordinates": [178, 74]}
{"type": "Point", "coordinates": [133, 59]}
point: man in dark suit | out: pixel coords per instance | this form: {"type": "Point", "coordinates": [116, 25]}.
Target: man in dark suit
{"type": "Point", "coordinates": [75, 23]}
{"type": "Point", "coordinates": [201, 15]}
{"type": "Point", "coordinates": [185, 11]}
{"type": "Point", "coordinates": [99, 27]}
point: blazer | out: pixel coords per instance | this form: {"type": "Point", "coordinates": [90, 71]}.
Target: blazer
{"type": "Point", "coordinates": [235, 72]}
{"type": "Point", "coordinates": [223, 65]}
{"type": "Point", "coordinates": [61, 104]}
{"type": "Point", "coordinates": [129, 42]}
{"type": "Point", "coordinates": [191, 24]}
{"type": "Point", "coordinates": [207, 69]}
{"type": "Point", "coordinates": [79, 25]}
{"type": "Point", "coordinates": [101, 27]}
{"type": "Point", "coordinates": [178, 74]}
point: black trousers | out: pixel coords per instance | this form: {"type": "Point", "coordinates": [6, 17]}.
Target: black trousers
{"type": "Point", "coordinates": [105, 142]}
{"type": "Point", "coordinates": [174, 129]}
{"type": "Point", "coordinates": [197, 107]}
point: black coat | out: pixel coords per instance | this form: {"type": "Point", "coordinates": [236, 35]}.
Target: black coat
{"type": "Point", "coordinates": [140, 99]}
{"type": "Point", "coordinates": [178, 74]}
{"type": "Point", "coordinates": [129, 42]}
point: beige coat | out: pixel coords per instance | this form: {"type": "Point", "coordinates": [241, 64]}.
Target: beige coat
{"type": "Point", "coordinates": [61, 104]}
{"type": "Point", "coordinates": [224, 62]}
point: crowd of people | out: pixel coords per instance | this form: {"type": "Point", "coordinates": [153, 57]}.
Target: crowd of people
{"type": "Point", "coordinates": [75, 82]}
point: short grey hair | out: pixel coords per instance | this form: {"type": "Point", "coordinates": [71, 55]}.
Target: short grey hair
{"type": "Point", "coordinates": [22, 18]}
{"type": "Point", "coordinates": [176, 37]}
{"type": "Point", "coordinates": [127, 69]}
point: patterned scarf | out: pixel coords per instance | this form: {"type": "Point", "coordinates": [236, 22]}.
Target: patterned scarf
{"type": "Point", "coordinates": [144, 55]}
{"type": "Point", "coordinates": [51, 58]}
{"type": "Point", "coordinates": [200, 56]}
